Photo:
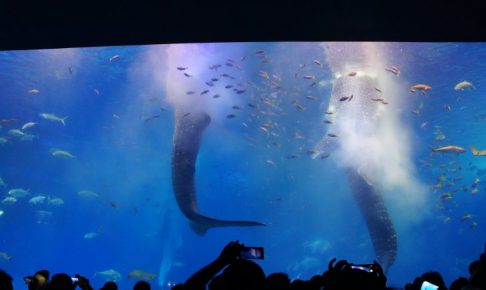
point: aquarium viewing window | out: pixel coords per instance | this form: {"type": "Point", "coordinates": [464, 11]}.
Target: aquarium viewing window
{"type": "Point", "coordinates": [132, 163]}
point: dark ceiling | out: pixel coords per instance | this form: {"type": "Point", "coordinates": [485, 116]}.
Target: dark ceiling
{"type": "Point", "coordinates": [46, 23]}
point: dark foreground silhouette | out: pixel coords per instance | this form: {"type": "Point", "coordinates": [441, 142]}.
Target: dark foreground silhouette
{"type": "Point", "coordinates": [229, 271]}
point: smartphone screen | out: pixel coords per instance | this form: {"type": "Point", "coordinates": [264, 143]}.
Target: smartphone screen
{"type": "Point", "coordinates": [367, 268]}
{"type": "Point", "coordinates": [252, 253]}
{"type": "Point", "coordinates": [74, 279]}
{"type": "Point", "coordinates": [428, 286]}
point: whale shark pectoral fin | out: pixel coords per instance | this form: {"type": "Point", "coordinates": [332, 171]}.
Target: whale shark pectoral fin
{"type": "Point", "coordinates": [364, 176]}
{"type": "Point", "coordinates": [326, 145]}
{"type": "Point", "coordinates": [201, 224]}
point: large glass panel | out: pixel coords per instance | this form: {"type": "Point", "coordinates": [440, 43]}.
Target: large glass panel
{"type": "Point", "coordinates": [144, 161]}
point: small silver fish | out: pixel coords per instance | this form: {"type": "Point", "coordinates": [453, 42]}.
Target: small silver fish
{"type": "Point", "coordinates": [115, 57]}
{"type": "Point", "coordinates": [28, 125]}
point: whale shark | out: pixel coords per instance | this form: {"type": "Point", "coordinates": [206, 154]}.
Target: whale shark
{"type": "Point", "coordinates": [189, 129]}
{"type": "Point", "coordinates": [355, 121]}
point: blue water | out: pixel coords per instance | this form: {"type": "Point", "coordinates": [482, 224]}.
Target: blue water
{"type": "Point", "coordinates": [306, 203]}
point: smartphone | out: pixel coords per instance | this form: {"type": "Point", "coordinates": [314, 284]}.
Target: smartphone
{"type": "Point", "coordinates": [252, 253]}
{"type": "Point", "coordinates": [370, 268]}
{"type": "Point", "coordinates": [74, 279]}
{"type": "Point", "coordinates": [428, 286]}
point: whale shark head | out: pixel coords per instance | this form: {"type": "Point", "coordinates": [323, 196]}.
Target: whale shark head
{"type": "Point", "coordinates": [353, 106]}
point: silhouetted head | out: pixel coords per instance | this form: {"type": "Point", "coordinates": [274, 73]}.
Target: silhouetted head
{"type": "Point", "coordinates": [459, 283]}
{"type": "Point", "coordinates": [141, 285]}
{"type": "Point", "coordinates": [315, 282]}
{"type": "Point", "coordinates": [109, 286]}
{"type": "Point", "coordinates": [473, 267]}
{"type": "Point", "coordinates": [61, 282]}
{"type": "Point", "coordinates": [43, 273]}
{"type": "Point", "coordinates": [278, 281]}
{"type": "Point", "coordinates": [39, 281]}
{"type": "Point", "coordinates": [434, 278]}
{"type": "Point", "coordinates": [244, 275]}
{"type": "Point", "coordinates": [5, 281]}
{"type": "Point", "coordinates": [297, 284]}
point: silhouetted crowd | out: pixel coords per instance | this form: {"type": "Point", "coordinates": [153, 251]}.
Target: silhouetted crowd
{"type": "Point", "coordinates": [40, 281]}
{"type": "Point", "coordinates": [230, 271]}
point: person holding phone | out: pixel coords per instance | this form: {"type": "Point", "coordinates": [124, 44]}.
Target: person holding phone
{"type": "Point", "coordinates": [347, 276]}
{"type": "Point", "coordinates": [427, 281]}
{"type": "Point", "coordinates": [239, 272]}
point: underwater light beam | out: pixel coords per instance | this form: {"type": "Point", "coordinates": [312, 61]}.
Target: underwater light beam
{"type": "Point", "coordinates": [357, 116]}
{"type": "Point", "coordinates": [372, 144]}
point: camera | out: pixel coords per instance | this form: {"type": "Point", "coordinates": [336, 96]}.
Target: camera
{"type": "Point", "coordinates": [252, 253]}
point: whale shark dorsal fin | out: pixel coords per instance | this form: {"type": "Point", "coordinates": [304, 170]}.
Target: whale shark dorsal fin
{"type": "Point", "coordinates": [199, 228]}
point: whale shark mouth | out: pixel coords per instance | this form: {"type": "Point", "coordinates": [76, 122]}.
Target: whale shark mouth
{"type": "Point", "coordinates": [189, 129]}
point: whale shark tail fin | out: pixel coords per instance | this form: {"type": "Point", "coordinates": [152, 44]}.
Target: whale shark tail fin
{"type": "Point", "coordinates": [201, 224]}
{"type": "Point", "coordinates": [199, 228]}
{"type": "Point", "coordinates": [324, 147]}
